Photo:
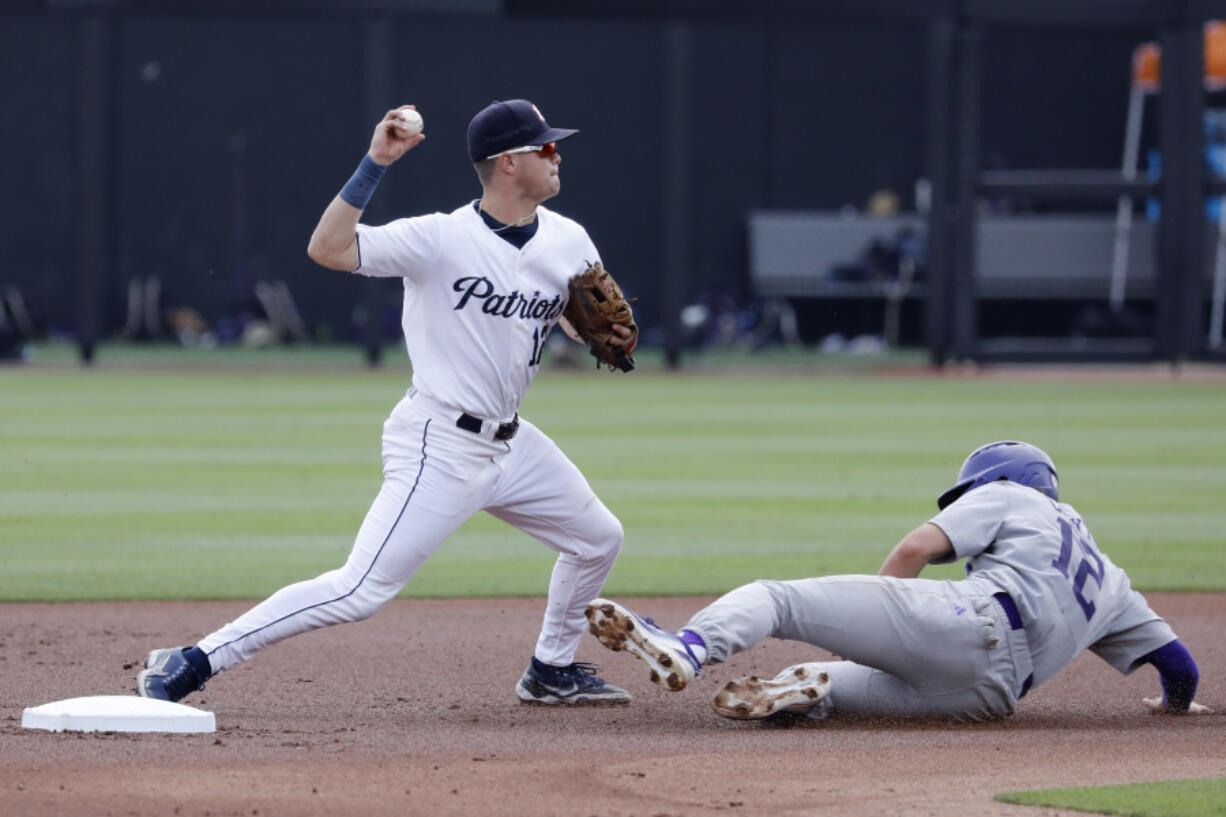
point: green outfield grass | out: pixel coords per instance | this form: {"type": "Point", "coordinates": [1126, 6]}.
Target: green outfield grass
{"type": "Point", "coordinates": [195, 481]}
{"type": "Point", "coordinates": [1171, 798]}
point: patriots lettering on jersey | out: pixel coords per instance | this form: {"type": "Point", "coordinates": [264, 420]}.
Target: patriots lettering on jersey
{"type": "Point", "coordinates": [508, 305]}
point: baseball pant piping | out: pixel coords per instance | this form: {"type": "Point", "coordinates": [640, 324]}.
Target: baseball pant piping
{"type": "Point", "coordinates": [253, 636]}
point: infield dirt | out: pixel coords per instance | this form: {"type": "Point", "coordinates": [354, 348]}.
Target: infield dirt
{"type": "Point", "coordinates": [413, 713]}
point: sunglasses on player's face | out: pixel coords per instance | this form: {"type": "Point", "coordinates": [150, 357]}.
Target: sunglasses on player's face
{"type": "Point", "coordinates": [546, 150]}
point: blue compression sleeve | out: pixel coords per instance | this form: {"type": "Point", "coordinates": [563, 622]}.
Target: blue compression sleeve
{"type": "Point", "coordinates": [361, 186]}
{"type": "Point", "coordinates": [1179, 674]}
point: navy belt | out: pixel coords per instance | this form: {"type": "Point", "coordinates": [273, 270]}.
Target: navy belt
{"type": "Point", "coordinates": [1015, 623]}
{"type": "Point", "coordinates": [1007, 602]}
{"type": "Point", "coordinates": [505, 431]}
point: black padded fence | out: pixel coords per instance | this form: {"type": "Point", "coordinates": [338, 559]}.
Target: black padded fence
{"type": "Point", "coordinates": [193, 144]}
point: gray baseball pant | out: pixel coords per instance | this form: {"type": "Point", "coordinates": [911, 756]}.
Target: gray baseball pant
{"type": "Point", "coordinates": [912, 646]}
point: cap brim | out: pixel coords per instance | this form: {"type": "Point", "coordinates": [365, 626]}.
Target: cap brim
{"type": "Point", "coordinates": [554, 135]}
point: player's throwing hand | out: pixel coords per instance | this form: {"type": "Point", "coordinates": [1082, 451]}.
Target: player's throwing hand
{"type": "Point", "coordinates": [391, 140]}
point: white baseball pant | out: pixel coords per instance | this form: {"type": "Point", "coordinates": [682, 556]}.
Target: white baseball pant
{"type": "Point", "coordinates": [436, 476]}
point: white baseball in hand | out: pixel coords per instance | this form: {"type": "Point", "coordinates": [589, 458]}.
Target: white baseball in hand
{"type": "Point", "coordinates": [408, 122]}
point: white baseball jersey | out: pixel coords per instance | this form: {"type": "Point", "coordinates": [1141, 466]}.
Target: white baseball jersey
{"type": "Point", "coordinates": [477, 310]}
{"type": "Point", "coordinates": [1070, 595]}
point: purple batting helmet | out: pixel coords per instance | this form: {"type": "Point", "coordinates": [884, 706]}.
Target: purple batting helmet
{"type": "Point", "coordinates": [1009, 460]}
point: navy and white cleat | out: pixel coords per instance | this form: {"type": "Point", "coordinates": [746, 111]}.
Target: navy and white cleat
{"type": "Point", "coordinates": [168, 676]}
{"type": "Point", "coordinates": [576, 683]}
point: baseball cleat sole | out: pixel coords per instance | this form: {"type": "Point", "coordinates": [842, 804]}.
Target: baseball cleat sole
{"type": "Point", "coordinates": [796, 689]}
{"type": "Point", "coordinates": [622, 631]}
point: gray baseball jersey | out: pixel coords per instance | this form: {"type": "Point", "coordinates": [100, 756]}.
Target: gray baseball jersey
{"type": "Point", "coordinates": [1038, 591]}
{"type": "Point", "coordinates": [1071, 596]}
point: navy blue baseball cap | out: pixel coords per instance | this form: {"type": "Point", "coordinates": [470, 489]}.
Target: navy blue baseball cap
{"type": "Point", "coordinates": [503, 126]}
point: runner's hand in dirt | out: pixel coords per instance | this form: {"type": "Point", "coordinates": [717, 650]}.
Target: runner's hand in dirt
{"type": "Point", "coordinates": [1158, 707]}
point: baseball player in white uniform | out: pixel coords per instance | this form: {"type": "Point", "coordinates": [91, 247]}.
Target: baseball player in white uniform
{"type": "Point", "coordinates": [1037, 592]}
{"type": "Point", "coordinates": [483, 287]}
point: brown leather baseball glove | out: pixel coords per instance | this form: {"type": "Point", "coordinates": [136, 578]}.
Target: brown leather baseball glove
{"type": "Point", "coordinates": [595, 306]}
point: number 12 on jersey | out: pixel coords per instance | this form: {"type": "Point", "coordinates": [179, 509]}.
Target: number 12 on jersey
{"type": "Point", "coordinates": [1090, 567]}
{"type": "Point", "coordinates": [538, 346]}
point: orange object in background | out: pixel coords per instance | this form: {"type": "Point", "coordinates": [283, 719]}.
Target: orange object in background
{"type": "Point", "coordinates": [1147, 61]}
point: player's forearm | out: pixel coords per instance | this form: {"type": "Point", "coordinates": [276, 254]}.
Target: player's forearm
{"type": "Point", "coordinates": [334, 244]}
{"type": "Point", "coordinates": [569, 330]}
{"type": "Point", "coordinates": [915, 551]}
{"type": "Point", "coordinates": [902, 563]}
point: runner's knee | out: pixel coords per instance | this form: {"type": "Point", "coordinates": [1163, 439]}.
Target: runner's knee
{"type": "Point", "coordinates": [782, 598]}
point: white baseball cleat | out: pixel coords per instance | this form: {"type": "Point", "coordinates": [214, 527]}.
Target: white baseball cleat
{"type": "Point", "coordinates": [669, 658]}
{"type": "Point", "coordinates": [797, 689]}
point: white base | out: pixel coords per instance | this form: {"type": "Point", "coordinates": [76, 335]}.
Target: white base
{"type": "Point", "coordinates": [117, 713]}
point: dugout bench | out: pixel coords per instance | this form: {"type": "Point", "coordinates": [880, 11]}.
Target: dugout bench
{"type": "Point", "coordinates": [1063, 257]}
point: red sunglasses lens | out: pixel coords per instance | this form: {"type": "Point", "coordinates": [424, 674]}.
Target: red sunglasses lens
{"type": "Point", "coordinates": [548, 149]}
